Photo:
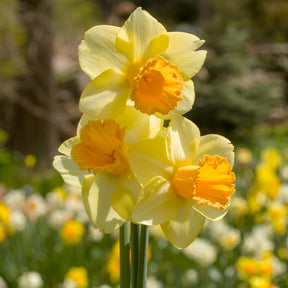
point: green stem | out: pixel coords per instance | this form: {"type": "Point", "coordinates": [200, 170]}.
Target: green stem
{"type": "Point", "coordinates": [142, 260]}
{"type": "Point", "coordinates": [135, 235]}
{"type": "Point", "coordinates": [124, 256]}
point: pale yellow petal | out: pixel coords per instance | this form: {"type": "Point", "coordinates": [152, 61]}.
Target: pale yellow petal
{"type": "Point", "coordinates": [83, 121]}
{"type": "Point", "coordinates": [158, 45]}
{"type": "Point", "coordinates": [148, 158]}
{"type": "Point", "coordinates": [69, 170]}
{"type": "Point", "coordinates": [106, 95]}
{"type": "Point", "coordinates": [181, 51]}
{"type": "Point", "coordinates": [184, 228]}
{"type": "Point", "coordinates": [213, 144]}
{"type": "Point", "coordinates": [184, 137]}
{"type": "Point", "coordinates": [210, 212]}
{"type": "Point", "coordinates": [65, 147]}
{"type": "Point", "coordinates": [134, 38]}
{"type": "Point", "coordinates": [96, 192]}
{"type": "Point", "coordinates": [185, 104]}
{"type": "Point", "coordinates": [138, 125]}
{"type": "Point", "coordinates": [124, 197]}
{"type": "Point", "coordinates": [157, 203]}
{"type": "Point", "coordinates": [97, 52]}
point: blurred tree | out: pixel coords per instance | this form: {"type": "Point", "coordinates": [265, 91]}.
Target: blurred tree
{"type": "Point", "coordinates": [233, 90]}
{"type": "Point", "coordinates": [33, 129]}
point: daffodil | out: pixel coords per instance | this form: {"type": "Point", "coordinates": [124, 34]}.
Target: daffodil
{"type": "Point", "coordinates": [142, 62]}
{"type": "Point", "coordinates": [78, 275]}
{"type": "Point", "coordinates": [186, 178]}
{"type": "Point", "coordinates": [72, 232]}
{"type": "Point", "coordinates": [96, 160]}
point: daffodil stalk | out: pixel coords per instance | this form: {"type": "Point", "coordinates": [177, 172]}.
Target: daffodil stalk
{"type": "Point", "coordinates": [135, 236]}
{"type": "Point", "coordinates": [124, 256]}
{"type": "Point", "coordinates": [143, 257]}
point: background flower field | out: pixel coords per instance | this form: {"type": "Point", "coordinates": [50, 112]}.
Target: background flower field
{"type": "Point", "coordinates": [46, 239]}
{"type": "Point", "coordinates": [47, 232]}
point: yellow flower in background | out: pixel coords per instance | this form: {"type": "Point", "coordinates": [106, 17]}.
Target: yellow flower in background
{"type": "Point", "coordinates": [72, 232]}
{"type": "Point", "coordinates": [278, 215]}
{"type": "Point", "coordinates": [96, 160]}
{"type": "Point", "coordinates": [247, 267]}
{"type": "Point", "coordinates": [244, 155]}
{"type": "Point", "coordinates": [60, 192]}
{"type": "Point", "coordinates": [260, 282]}
{"type": "Point", "coordinates": [3, 233]}
{"type": "Point", "coordinates": [186, 178]}
{"type": "Point", "coordinates": [30, 160]}
{"type": "Point", "coordinates": [78, 275]}
{"type": "Point", "coordinates": [142, 62]}
{"type": "Point", "coordinates": [113, 263]}
{"type": "Point", "coordinates": [4, 214]}
{"type": "Point", "coordinates": [267, 183]}
{"type": "Point", "coordinates": [5, 226]}
{"type": "Point", "coordinates": [271, 158]}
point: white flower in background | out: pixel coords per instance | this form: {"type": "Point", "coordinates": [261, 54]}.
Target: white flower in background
{"type": "Point", "coordinates": [153, 283]}
{"type": "Point", "coordinates": [191, 277]}
{"type": "Point", "coordinates": [284, 172]}
{"type": "Point", "coordinates": [239, 207]}
{"type": "Point", "coordinates": [226, 236]}
{"type": "Point", "coordinates": [35, 206]}
{"type": "Point", "coordinates": [54, 200]}
{"type": "Point", "coordinates": [283, 194]}
{"type": "Point", "coordinates": [230, 272]}
{"type": "Point", "coordinates": [30, 280]}
{"type": "Point", "coordinates": [58, 217]}
{"type": "Point", "coordinates": [230, 240]}
{"type": "Point", "coordinates": [95, 234]}
{"type": "Point", "coordinates": [82, 217]}
{"type": "Point", "coordinates": [214, 274]}
{"type": "Point", "coordinates": [202, 251]}
{"type": "Point", "coordinates": [74, 201]}
{"type": "Point", "coordinates": [18, 220]}
{"type": "Point", "coordinates": [279, 267]}
{"type": "Point", "coordinates": [218, 229]}
{"type": "Point", "coordinates": [104, 286]}
{"type": "Point", "coordinates": [14, 199]}
{"type": "Point", "coordinates": [3, 283]}
{"type": "Point", "coordinates": [258, 241]}
{"type": "Point", "coordinates": [68, 283]}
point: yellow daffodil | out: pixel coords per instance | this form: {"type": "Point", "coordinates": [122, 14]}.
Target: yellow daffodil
{"type": "Point", "coordinates": [96, 160]}
{"type": "Point", "coordinates": [140, 61]}
{"type": "Point", "coordinates": [72, 232]}
{"type": "Point", "coordinates": [78, 275]}
{"type": "Point", "coordinates": [186, 178]}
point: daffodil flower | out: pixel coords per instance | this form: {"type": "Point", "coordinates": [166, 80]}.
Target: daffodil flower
{"type": "Point", "coordinates": [142, 62]}
{"type": "Point", "coordinates": [186, 178]}
{"type": "Point", "coordinates": [96, 160]}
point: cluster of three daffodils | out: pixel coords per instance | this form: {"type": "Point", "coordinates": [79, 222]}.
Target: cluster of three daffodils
{"type": "Point", "coordinates": [130, 166]}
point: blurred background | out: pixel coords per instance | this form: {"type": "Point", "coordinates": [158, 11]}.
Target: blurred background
{"type": "Point", "coordinates": [241, 93]}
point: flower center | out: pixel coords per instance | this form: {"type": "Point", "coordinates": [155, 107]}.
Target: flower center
{"type": "Point", "coordinates": [156, 87]}
{"type": "Point", "coordinates": [102, 148]}
{"type": "Point", "coordinates": [210, 183]}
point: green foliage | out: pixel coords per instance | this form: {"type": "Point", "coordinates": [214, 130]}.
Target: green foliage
{"type": "Point", "coordinates": [15, 174]}
{"type": "Point", "coordinates": [49, 256]}
{"type": "Point", "coordinates": [233, 91]}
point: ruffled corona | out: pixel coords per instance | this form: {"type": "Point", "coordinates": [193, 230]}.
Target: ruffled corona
{"type": "Point", "coordinates": [210, 183]}
{"type": "Point", "coordinates": [101, 148]}
{"type": "Point", "coordinates": [157, 86]}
